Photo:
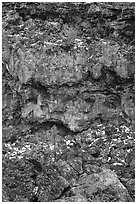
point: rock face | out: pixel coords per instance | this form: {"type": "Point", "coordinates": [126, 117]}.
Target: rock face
{"type": "Point", "coordinates": [68, 68]}
{"type": "Point", "coordinates": [79, 72]}
{"type": "Point", "coordinates": [51, 65]}
{"type": "Point", "coordinates": [99, 187]}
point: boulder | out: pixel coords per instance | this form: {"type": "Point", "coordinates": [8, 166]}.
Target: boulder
{"type": "Point", "coordinates": [102, 187]}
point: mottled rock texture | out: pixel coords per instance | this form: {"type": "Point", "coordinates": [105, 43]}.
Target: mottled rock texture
{"type": "Point", "coordinates": [68, 101]}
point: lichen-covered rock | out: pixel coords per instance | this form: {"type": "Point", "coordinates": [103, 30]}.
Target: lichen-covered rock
{"type": "Point", "coordinates": [17, 174]}
{"type": "Point", "coordinates": [51, 184]}
{"type": "Point", "coordinates": [101, 187]}
{"type": "Point", "coordinates": [113, 57]}
{"type": "Point", "coordinates": [51, 64]}
{"type": "Point", "coordinates": [72, 110]}
{"type": "Point", "coordinates": [68, 101]}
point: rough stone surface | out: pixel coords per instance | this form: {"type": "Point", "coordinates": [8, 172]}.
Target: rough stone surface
{"type": "Point", "coordinates": [101, 187]}
{"type": "Point", "coordinates": [68, 101]}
